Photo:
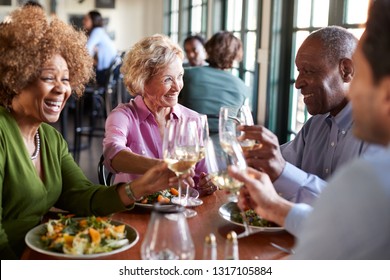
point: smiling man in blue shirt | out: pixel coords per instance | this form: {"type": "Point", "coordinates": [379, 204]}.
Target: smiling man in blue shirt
{"type": "Point", "coordinates": [300, 167]}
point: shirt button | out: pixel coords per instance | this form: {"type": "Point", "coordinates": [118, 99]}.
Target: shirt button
{"type": "Point", "coordinates": [327, 170]}
{"type": "Point", "coordinates": [332, 144]}
{"type": "Point", "coordinates": [143, 152]}
{"type": "Point", "coordinates": [343, 132]}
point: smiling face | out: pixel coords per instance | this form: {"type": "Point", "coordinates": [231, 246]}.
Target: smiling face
{"type": "Point", "coordinates": [195, 52]}
{"type": "Point", "coordinates": [370, 102]}
{"type": "Point", "coordinates": [163, 89]}
{"type": "Point", "coordinates": [43, 100]}
{"type": "Point", "coordinates": [320, 81]}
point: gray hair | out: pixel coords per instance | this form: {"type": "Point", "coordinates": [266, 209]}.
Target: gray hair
{"type": "Point", "coordinates": [146, 59]}
{"type": "Point", "coordinates": [338, 42]}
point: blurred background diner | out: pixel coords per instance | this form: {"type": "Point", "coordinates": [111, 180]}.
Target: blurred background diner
{"type": "Point", "coordinates": [270, 31]}
{"type": "Point", "coordinates": [195, 51]}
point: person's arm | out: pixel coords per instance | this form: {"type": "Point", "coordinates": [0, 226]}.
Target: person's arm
{"type": "Point", "coordinates": [6, 251]}
{"type": "Point", "coordinates": [128, 162]}
{"type": "Point", "coordinates": [118, 157]}
{"type": "Point", "coordinates": [350, 219]}
{"type": "Point", "coordinates": [298, 186]}
{"type": "Point", "coordinates": [93, 41]}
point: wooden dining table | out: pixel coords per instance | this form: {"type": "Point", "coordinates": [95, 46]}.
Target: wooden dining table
{"type": "Point", "coordinates": [208, 220]}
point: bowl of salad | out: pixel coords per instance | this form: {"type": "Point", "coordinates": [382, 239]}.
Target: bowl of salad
{"type": "Point", "coordinates": [81, 238]}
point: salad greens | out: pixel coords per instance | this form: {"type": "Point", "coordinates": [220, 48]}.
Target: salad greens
{"type": "Point", "coordinates": [90, 235]}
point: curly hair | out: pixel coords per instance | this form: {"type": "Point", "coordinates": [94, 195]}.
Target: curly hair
{"type": "Point", "coordinates": [223, 48]}
{"type": "Point", "coordinates": [28, 39]}
{"type": "Point", "coordinates": [146, 59]}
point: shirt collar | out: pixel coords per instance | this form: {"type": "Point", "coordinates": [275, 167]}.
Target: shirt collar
{"type": "Point", "coordinates": [343, 119]}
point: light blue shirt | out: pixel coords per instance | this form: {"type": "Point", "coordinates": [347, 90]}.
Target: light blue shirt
{"type": "Point", "coordinates": [106, 50]}
{"type": "Point", "coordinates": [351, 218]}
{"type": "Point", "coordinates": [323, 145]}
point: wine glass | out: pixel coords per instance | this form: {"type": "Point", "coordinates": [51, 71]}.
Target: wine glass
{"type": "Point", "coordinates": [181, 153]}
{"type": "Point", "coordinates": [203, 135]}
{"type": "Point", "coordinates": [217, 161]}
{"type": "Point", "coordinates": [229, 119]}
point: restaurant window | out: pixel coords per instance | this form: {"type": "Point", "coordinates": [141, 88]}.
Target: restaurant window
{"type": "Point", "coordinates": [311, 15]}
{"type": "Point", "coordinates": [171, 19]}
{"type": "Point", "coordinates": [185, 17]}
{"type": "Point", "coordinates": [242, 18]}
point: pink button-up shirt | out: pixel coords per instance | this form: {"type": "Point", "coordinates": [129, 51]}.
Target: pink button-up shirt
{"type": "Point", "coordinates": [132, 126]}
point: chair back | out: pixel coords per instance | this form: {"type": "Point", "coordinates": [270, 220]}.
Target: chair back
{"type": "Point", "coordinates": [105, 177]}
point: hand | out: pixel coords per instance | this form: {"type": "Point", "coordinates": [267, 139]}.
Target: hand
{"type": "Point", "coordinates": [259, 194]}
{"type": "Point", "coordinates": [155, 179]}
{"type": "Point", "coordinates": [187, 178]}
{"type": "Point", "coordinates": [205, 186]}
{"type": "Point", "coordinates": [265, 156]}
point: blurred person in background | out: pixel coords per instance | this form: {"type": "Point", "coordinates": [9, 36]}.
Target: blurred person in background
{"type": "Point", "coordinates": [99, 44]}
{"type": "Point", "coordinates": [195, 51]}
{"type": "Point", "coordinates": [206, 89]}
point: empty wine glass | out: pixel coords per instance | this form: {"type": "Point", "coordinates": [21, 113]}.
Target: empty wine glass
{"type": "Point", "coordinates": [181, 153]}
{"type": "Point", "coordinates": [168, 236]}
{"type": "Point", "coordinates": [217, 161]}
{"type": "Point", "coordinates": [229, 119]}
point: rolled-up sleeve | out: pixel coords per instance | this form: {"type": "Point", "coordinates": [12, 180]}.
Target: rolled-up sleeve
{"type": "Point", "coordinates": [116, 132]}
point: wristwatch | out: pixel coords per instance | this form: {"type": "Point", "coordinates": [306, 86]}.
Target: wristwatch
{"type": "Point", "coordinates": [130, 193]}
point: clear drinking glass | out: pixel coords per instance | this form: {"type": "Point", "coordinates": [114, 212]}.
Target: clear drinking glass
{"type": "Point", "coordinates": [229, 119]}
{"type": "Point", "coordinates": [168, 236]}
{"type": "Point", "coordinates": [218, 160]}
{"type": "Point", "coordinates": [181, 153]}
{"type": "Point", "coordinates": [203, 135]}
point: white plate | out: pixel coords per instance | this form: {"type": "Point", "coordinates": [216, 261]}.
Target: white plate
{"type": "Point", "coordinates": [226, 210]}
{"type": "Point", "coordinates": [33, 240]}
{"type": "Point", "coordinates": [193, 193]}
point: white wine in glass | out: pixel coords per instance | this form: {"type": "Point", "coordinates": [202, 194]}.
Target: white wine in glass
{"type": "Point", "coordinates": [181, 153]}
{"type": "Point", "coordinates": [229, 119]}
{"type": "Point", "coordinates": [218, 161]}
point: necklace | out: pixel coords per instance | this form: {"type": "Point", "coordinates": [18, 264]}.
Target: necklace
{"type": "Point", "coordinates": [37, 146]}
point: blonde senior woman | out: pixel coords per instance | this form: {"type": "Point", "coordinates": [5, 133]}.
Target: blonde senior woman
{"type": "Point", "coordinates": [153, 73]}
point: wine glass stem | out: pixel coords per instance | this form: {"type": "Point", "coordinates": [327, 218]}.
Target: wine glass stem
{"type": "Point", "coordinates": [245, 222]}
{"type": "Point", "coordinates": [179, 189]}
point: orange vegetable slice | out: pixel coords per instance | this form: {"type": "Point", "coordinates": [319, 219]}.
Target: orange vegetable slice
{"type": "Point", "coordinates": [174, 191]}
{"type": "Point", "coordinates": [119, 228]}
{"type": "Point", "coordinates": [95, 235]}
{"type": "Point", "coordinates": [163, 199]}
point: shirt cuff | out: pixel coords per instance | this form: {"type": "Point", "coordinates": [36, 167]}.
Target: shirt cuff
{"type": "Point", "coordinates": [296, 217]}
{"type": "Point", "coordinates": [290, 181]}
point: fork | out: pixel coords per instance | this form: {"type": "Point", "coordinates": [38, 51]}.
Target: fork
{"type": "Point", "coordinates": [283, 249]}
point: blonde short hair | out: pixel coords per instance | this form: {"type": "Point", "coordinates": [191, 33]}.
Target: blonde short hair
{"type": "Point", "coordinates": [146, 59]}
{"type": "Point", "coordinates": [28, 39]}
